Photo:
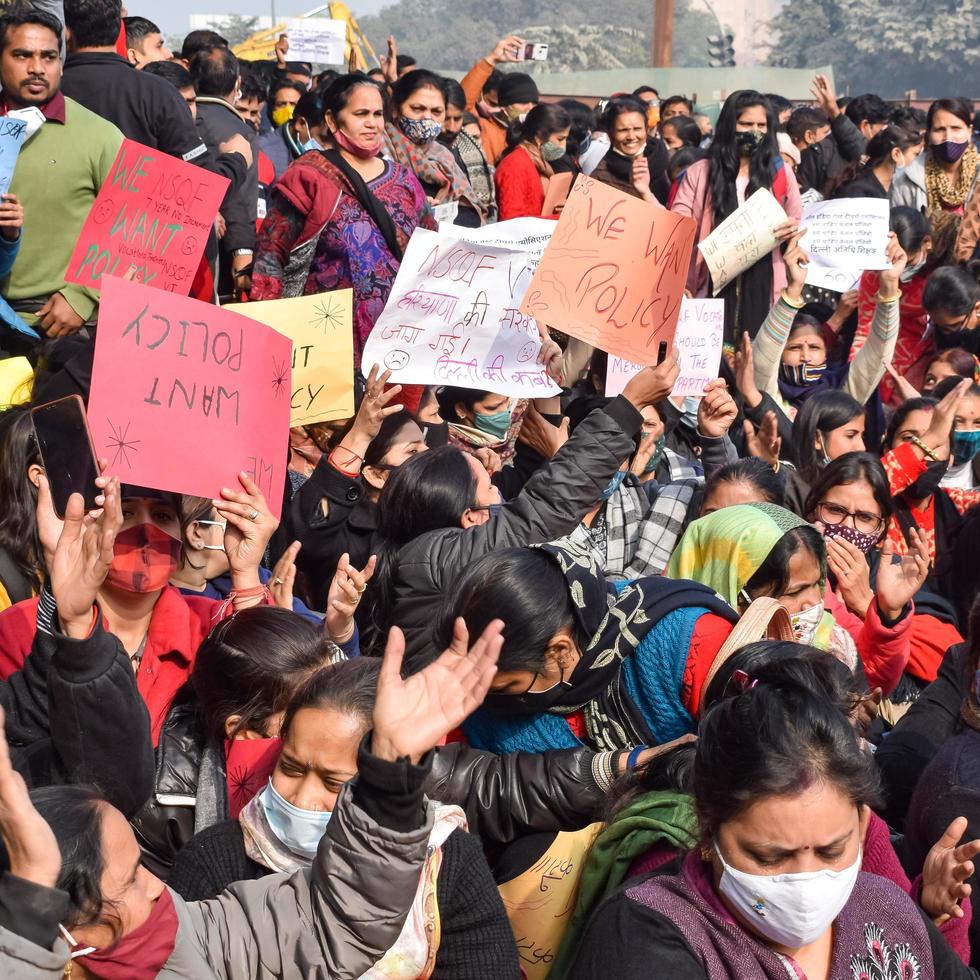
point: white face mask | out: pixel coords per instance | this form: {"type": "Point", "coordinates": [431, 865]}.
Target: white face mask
{"type": "Point", "coordinates": [805, 623]}
{"type": "Point", "coordinates": [32, 116]}
{"type": "Point", "coordinates": [792, 910]}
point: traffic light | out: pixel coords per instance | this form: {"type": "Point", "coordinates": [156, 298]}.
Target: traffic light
{"type": "Point", "coordinates": [721, 54]}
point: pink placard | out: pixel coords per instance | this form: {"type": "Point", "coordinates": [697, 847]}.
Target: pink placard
{"type": "Point", "coordinates": [185, 395]}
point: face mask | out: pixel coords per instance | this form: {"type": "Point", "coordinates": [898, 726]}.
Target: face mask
{"type": "Point", "coordinates": [550, 152]}
{"type": "Point", "coordinates": [748, 142]}
{"type": "Point", "coordinates": [689, 412]}
{"type": "Point", "coordinates": [222, 525]}
{"type": "Point", "coordinates": [802, 375]}
{"type": "Point", "coordinates": [514, 114]}
{"type": "Point", "coordinates": [282, 115]}
{"type": "Point", "coordinates": [346, 143]}
{"type": "Point", "coordinates": [792, 910]}
{"type": "Point", "coordinates": [612, 486]}
{"type": "Point", "coordinates": [30, 115]}
{"type": "Point", "coordinates": [965, 445]}
{"type": "Point", "coordinates": [585, 144]}
{"type": "Point", "coordinates": [911, 271]}
{"type": "Point", "coordinates": [530, 702]}
{"type": "Point", "coordinates": [297, 829]}
{"type": "Point", "coordinates": [495, 425]}
{"type": "Point", "coordinates": [419, 131]}
{"type": "Point", "coordinates": [805, 623]}
{"type": "Point", "coordinates": [948, 151]}
{"type": "Point", "coordinates": [143, 559]}
{"type": "Point", "coordinates": [435, 436]}
{"type": "Point", "coordinates": [140, 954]}
{"type": "Point", "coordinates": [958, 337]}
{"type": "Point", "coordinates": [926, 484]}
{"type": "Point", "coordinates": [863, 542]}
{"type": "Point", "coordinates": [657, 455]}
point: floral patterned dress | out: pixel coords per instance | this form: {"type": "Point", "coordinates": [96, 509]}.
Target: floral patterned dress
{"type": "Point", "coordinates": [314, 199]}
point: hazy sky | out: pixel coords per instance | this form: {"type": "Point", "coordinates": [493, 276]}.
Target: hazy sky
{"type": "Point", "coordinates": [173, 16]}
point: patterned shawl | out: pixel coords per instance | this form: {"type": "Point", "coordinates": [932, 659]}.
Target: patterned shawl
{"type": "Point", "coordinates": [940, 193]}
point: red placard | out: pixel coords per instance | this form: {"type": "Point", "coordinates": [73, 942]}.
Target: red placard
{"type": "Point", "coordinates": [153, 215]}
{"type": "Point", "coordinates": [185, 395]}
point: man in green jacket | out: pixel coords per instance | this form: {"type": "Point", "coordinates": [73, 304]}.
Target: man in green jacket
{"type": "Point", "coordinates": [68, 153]}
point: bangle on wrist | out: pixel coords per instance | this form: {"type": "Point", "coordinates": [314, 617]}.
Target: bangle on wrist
{"type": "Point", "coordinates": [634, 755]}
{"type": "Point", "coordinates": [919, 444]}
{"type": "Point", "coordinates": [256, 590]}
{"type": "Point", "coordinates": [888, 299]}
{"type": "Point", "coordinates": [797, 304]}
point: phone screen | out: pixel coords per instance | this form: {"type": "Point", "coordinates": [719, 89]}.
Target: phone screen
{"type": "Point", "coordinates": [66, 451]}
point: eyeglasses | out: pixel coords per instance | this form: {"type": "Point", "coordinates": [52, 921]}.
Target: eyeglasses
{"type": "Point", "coordinates": [863, 521]}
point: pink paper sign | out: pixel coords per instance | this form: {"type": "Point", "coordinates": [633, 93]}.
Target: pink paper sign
{"type": "Point", "coordinates": [185, 395]}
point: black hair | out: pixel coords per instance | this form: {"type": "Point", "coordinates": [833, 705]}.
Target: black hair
{"type": "Point", "coordinates": [250, 665]}
{"type": "Point", "coordinates": [349, 687]}
{"type": "Point", "coordinates": [411, 82]}
{"type": "Point", "coordinates": [944, 387]}
{"type": "Point", "coordinates": [953, 289]}
{"type": "Point", "coordinates": [18, 517]}
{"type": "Point", "coordinates": [901, 413]}
{"type": "Point", "coordinates": [877, 152]}
{"type": "Point", "coordinates": [724, 156]}
{"type": "Point", "coordinates": [583, 122]}
{"type": "Point", "coordinates": [388, 432]}
{"type": "Point", "coordinates": [251, 86]}
{"type": "Point", "coordinates": [853, 468]}
{"type": "Point", "coordinates": [543, 120]}
{"type": "Point", "coordinates": [867, 108]}
{"type": "Point", "coordinates": [964, 580]}
{"type": "Point", "coordinates": [620, 106]}
{"type": "Point", "coordinates": [329, 74]}
{"type": "Point", "coordinates": [961, 108]}
{"type": "Point", "coordinates": [777, 738]}
{"type": "Point", "coordinates": [910, 226]}
{"type": "Point", "coordinates": [449, 397]}
{"type": "Point", "coordinates": [299, 68]}
{"type": "Point", "coordinates": [201, 40]}
{"type": "Point", "coordinates": [804, 321]}
{"type": "Point", "coordinates": [93, 23]}
{"type": "Point", "coordinates": [643, 89]}
{"type": "Point", "coordinates": [215, 72]}
{"type": "Point", "coordinates": [278, 84]}
{"type": "Point", "coordinates": [804, 119]}
{"type": "Point", "coordinates": [403, 61]}
{"type": "Point", "coordinates": [749, 470]}
{"type": "Point", "coordinates": [683, 158]}
{"type": "Point", "coordinates": [455, 96]}
{"type": "Point", "coordinates": [910, 117]}
{"type": "Point", "coordinates": [493, 81]}
{"type": "Point", "coordinates": [822, 412]}
{"type": "Point", "coordinates": [138, 28]}
{"type": "Point", "coordinates": [686, 129]}
{"type": "Point", "coordinates": [338, 93]}
{"type": "Point", "coordinates": [192, 510]}
{"type": "Point", "coordinates": [526, 588]}
{"type": "Point", "coordinates": [310, 108]}
{"type": "Point", "coordinates": [24, 16]}
{"type": "Point", "coordinates": [962, 362]}
{"type": "Point", "coordinates": [772, 577]}
{"type": "Point", "coordinates": [173, 72]}
{"type": "Point", "coordinates": [676, 100]}
{"type": "Point", "coordinates": [779, 103]}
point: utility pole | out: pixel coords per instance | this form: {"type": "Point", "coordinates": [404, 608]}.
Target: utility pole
{"type": "Point", "coordinates": [663, 34]}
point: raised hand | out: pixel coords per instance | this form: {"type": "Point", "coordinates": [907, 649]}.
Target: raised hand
{"type": "Point", "coordinates": [796, 262]}
{"type": "Point", "coordinates": [344, 595]}
{"type": "Point", "coordinates": [898, 582]}
{"type": "Point", "coordinates": [282, 49]}
{"type": "Point", "coordinates": [653, 384]}
{"type": "Point", "coordinates": [249, 529]}
{"type": "Point", "coordinates": [944, 874]}
{"type": "Point", "coordinates": [853, 575]}
{"type": "Point", "coordinates": [283, 579]}
{"type": "Point", "coordinates": [389, 62]}
{"type": "Point", "coordinates": [765, 444]}
{"type": "Point", "coordinates": [508, 49]}
{"type": "Point", "coordinates": [825, 97]}
{"type": "Point", "coordinates": [717, 410]}
{"type": "Point", "coordinates": [640, 177]}
{"type": "Point", "coordinates": [538, 433]}
{"type": "Point", "coordinates": [743, 367]}
{"type": "Point", "coordinates": [413, 714]}
{"type": "Point", "coordinates": [936, 437]}
{"type": "Point", "coordinates": [905, 389]}
{"type": "Point", "coordinates": [550, 357]}
{"type": "Point", "coordinates": [889, 279]}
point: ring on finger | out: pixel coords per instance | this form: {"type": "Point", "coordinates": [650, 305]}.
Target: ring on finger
{"type": "Point", "coordinates": [253, 515]}
{"type": "Point", "coordinates": [362, 589]}
{"type": "Point", "coordinates": [278, 581]}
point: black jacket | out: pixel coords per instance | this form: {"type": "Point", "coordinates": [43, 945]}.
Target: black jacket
{"type": "Point", "coordinates": [822, 163]}
{"type": "Point", "coordinates": [145, 107]}
{"type": "Point", "coordinates": [866, 184]}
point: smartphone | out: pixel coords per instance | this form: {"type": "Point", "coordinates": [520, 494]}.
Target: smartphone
{"type": "Point", "coordinates": [533, 52]}
{"type": "Point", "coordinates": [67, 453]}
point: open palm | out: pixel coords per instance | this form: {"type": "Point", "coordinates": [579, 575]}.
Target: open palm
{"type": "Point", "coordinates": [413, 714]}
{"type": "Point", "coordinates": [898, 582]}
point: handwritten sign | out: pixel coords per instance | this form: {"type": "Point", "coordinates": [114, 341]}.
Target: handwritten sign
{"type": "Point", "coordinates": [613, 274]}
{"type": "Point", "coordinates": [320, 328]}
{"type": "Point", "coordinates": [558, 187]}
{"type": "Point", "coordinates": [452, 318]}
{"type": "Point", "coordinates": [185, 395]}
{"type": "Point", "coordinates": [317, 39]}
{"type": "Point", "coordinates": [152, 215]}
{"type": "Point", "coordinates": [843, 239]}
{"type": "Point", "coordinates": [743, 238]}
{"type": "Point", "coordinates": [700, 328]}
{"type": "Point", "coordinates": [11, 140]}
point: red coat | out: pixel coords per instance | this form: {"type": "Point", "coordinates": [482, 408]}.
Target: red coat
{"type": "Point", "coordinates": [519, 190]}
{"type": "Point", "coordinates": [178, 625]}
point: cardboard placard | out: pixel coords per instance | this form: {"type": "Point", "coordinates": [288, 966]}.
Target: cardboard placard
{"type": "Point", "coordinates": [151, 217]}
{"type": "Point", "coordinates": [12, 133]}
{"type": "Point", "coordinates": [700, 332]}
{"type": "Point", "coordinates": [843, 239]}
{"type": "Point", "coordinates": [614, 272]}
{"type": "Point", "coordinates": [317, 39]}
{"type": "Point", "coordinates": [320, 328]}
{"type": "Point", "coordinates": [558, 187]}
{"type": "Point", "coordinates": [185, 395]}
{"type": "Point", "coordinates": [742, 239]}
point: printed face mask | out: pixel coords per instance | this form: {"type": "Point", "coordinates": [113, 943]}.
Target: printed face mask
{"type": "Point", "coordinates": [495, 425]}
{"type": "Point", "coordinates": [863, 542]}
{"type": "Point", "coordinates": [792, 910]}
{"type": "Point", "coordinates": [657, 455]}
{"type": "Point", "coordinates": [802, 375]}
{"type": "Point", "coordinates": [299, 830]}
{"type": "Point", "coordinates": [143, 559]}
{"type": "Point", "coordinates": [419, 131]}
{"type": "Point", "coordinates": [966, 444]}
{"type": "Point", "coordinates": [805, 623]}
{"type": "Point", "coordinates": [748, 142]}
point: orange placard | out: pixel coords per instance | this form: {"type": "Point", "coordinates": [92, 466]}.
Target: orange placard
{"type": "Point", "coordinates": [613, 274]}
{"type": "Point", "coordinates": [558, 188]}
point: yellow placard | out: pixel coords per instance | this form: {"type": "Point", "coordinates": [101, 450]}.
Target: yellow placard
{"type": "Point", "coordinates": [321, 330]}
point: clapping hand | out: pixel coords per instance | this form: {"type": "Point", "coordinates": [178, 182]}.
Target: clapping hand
{"type": "Point", "coordinates": [765, 444]}
{"type": "Point", "coordinates": [944, 874]}
{"type": "Point", "coordinates": [283, 581]}
{"type": "Point", "coordinates": [344, 595]}
{"type": "Point", "coordinates": [899, 581]}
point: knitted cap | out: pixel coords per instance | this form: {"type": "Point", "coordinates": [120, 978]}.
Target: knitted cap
{"type": "Point", "coordinates": [517, 87]}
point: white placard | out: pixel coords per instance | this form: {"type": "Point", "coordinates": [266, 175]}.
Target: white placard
{"type": "Point", "coordinates": [844, 238]}
{"type": "Point", "coordinates": [700, 330]}
{"type": "Point", "coordinates": [743, 238]}
{"type": "Point", "coordinates": [317, 39]}
{"type": "Point", "coordinates": [452, 318]}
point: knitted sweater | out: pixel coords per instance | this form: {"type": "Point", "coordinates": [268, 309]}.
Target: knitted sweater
{"type": "Point", "coordinates": [59, 173]}
{"type": "Point", "coordinates": [476, 940]}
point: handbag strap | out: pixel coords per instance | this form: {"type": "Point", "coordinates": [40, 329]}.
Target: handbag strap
{"type": "Point", "coordinates": [369, 201]}
{"type": "Point", "coordinates": [765, 619]}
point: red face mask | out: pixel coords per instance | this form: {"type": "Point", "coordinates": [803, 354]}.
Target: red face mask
{"type": "Point", "coordinates": [346, 143]}
{"type": "Point", "coordinates": [143, 559]}
{"type": "Point", "coordinates": [140, 954]}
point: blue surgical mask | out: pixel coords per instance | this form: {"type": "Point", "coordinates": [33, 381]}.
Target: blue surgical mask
{"type": "Point", "coordinates": [612, 486]}
{"type": "Point", "coordinates": [298, 830]}
{"type": "Point", "coordinates": [966, 444]}
{"type": "Point", "coordinates": [495, 425]}
{"type": "Point", "coordinates": [657, 455]}
{"type": "Point", "coordinates": [689, 416]}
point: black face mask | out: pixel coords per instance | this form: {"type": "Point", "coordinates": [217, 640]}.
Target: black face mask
{"type": "Point", "coordinates": [436, 435]}
{"type": "Point", "coordinates": [530, 702]}
{"type": "Point", "coordinates": [928, 483]}
{"type": "Point", "coordinates": [967, 339]}
{"type": "Point", "coordinates": [748, 142]}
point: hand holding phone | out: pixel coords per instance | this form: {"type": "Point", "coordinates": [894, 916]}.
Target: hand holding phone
{"type": "Point", "coordinates": [533, 52]}
{"type": "Point", "coordinates": [66, 450]}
